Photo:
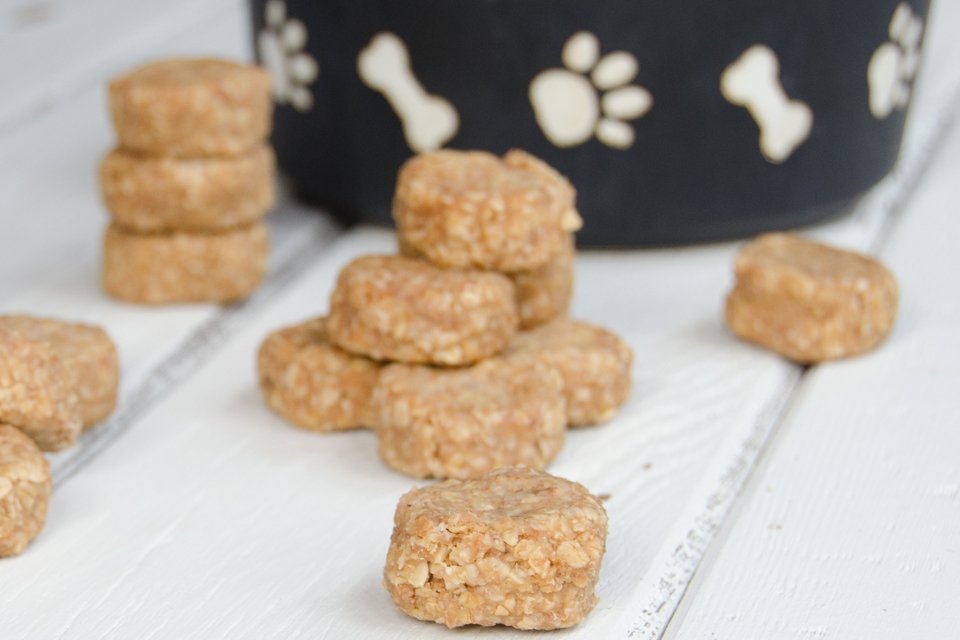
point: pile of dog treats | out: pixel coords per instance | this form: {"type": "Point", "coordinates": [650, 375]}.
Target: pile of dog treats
{"type": "Point", "coordinates": [56, 379]}
{"type": "Point", "coordinates": [458, 351]}
{"type": "Point", "coordinates": [189, 182]}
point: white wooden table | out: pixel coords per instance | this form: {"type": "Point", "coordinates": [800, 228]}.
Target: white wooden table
{"type": "Point", "coordinates": [749, 498]}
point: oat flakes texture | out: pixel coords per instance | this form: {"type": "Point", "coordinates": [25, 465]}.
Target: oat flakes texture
{"type": "Point", "coordinates": [461, 423]}
{"type": "Point", "coordinates": [470, 209]}
{"type": "Point", "coordinates": [312, 383]}
{"type": "Point", "coordinates": [166, 268]}
{"type": "Point", "coordinates": [155, 193]}
{"type": "Point", "coordinates": [592, 361]}
{"type": "Point", "coordinates": [408, 310]}
{"type": "Point", "coordinates": [192, 108]}
{"type": "Point", "coordinates": [25, 487]}
{"type": "Point", "coordinates": [810, 302]}
{"type": "Point", "coordinates": [517, 547]}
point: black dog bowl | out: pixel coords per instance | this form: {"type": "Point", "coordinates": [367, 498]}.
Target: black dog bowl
{"type": "Point", "coordinates": [676, 121]}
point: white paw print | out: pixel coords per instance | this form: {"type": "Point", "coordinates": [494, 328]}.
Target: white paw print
{"type": "Point", "coordinates": [281, 45]}
{"type": "Point", "coordinates": [894, 64]}
{"type": "Point", "coordinates": [567, 103]}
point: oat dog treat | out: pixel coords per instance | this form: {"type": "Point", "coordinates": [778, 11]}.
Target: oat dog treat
{"type": "Point", "coordinates": [542, 293]}
{"type": "Point", "coordinates": [183, 267]}
{"type": "Point", "coordinates": [516, 547]}
{"type": "Point", "coordinates": [593, 363]}
{"type": "Point", "coordinates": [408, 310]}
{"type": "Point", "coordinates": [87, 354]}
{"type": "Point", "coordinates": [468, 209]}
{"type": "Point", "coordinates": [545, 292]}
{"type": "Point", "coordinates": [462, 423]}
{"type": "Point", "coordinates": [810, 302]}
{"type": "Point", "coordinates": [192, 108]}
{"type": "Point", "coordinates": [25, 487]}
{"type": "Point", "coordinates": [151, 194]}
{"type": "Point", "coordinates": [312, 383]}
{"type": "Point", "coordinates": [37, 392]}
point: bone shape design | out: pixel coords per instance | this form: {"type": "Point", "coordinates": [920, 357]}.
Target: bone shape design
{"type": "Point", "coordinates": [428, 121]}
{"type": "Point", "coordinates": [753, 81]}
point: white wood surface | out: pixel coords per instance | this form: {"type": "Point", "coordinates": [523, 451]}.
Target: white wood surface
{"type": "Point", "coordinates": [196, 513]}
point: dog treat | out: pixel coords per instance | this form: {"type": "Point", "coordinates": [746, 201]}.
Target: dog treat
{"type": "Point", "coordinates": [183, 267]}
{"type": "Point", "coordinates": [87, 354]}
{"type": "Point", "coordinates": [517, 547]}
{"type": "Point", "coordinates": [545, 292]}
{"type": "Point", "coordinates": [25, 487]}
{"type": "Point", "coordinates": [407, 310]}
{"type": "Point", "coordinates": [810, 302]}
{"type": "Point", "coordinates": [192, 108]}
{"type": "Point", "coordinates": [542, 293]}
{"type": "Point", "coordinates": [462, 423]}
{"type": "Point", "coordinates": [151, 194]}
{"type": "Point", "coordinates": [593, 363]}
{"type": "Point", "coordinates": [38, 392]}
{"type": "Point", "coordinates": [466, 209]}
{"type": "Point", "coordinates": [312, 383]}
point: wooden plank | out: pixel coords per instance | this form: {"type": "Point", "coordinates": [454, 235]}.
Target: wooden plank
{"type": "Point", "coordinates": [211, 514]}
{"type": "Point", "coordinates": [850, 528]}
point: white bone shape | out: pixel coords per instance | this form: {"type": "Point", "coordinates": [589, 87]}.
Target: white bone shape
{"type": "Point", "coordinates": [753, 81]}
{"type": "Point", "coordinates": [428, 121]}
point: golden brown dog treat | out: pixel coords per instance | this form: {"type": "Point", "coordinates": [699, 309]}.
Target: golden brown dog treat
{"type": "Point", "coordinates": [149, 194]}
{"type": "Point", "coordinates": [462, 423]}
{"type": "Point", "coordinates": [25, 487]}
{"type": "Point", "coordinates": [184, 267]}
{"type": "Point", "coordinates": [810, 302]}
{"type": "Point", "coordinates": [407, 310]}
{"type": "Point", "coordinates": [312, 383]}
{"type": "Point", "coordinates": [86, 352]}
{"type": "Point", "coordinates": [470, 209]}
{"type": "Point", "coordinates": [192, 108]}
{"type": "Point", "coordinates": [593, 363]}
{"type": "Point", "coordinates": [38, 394]}
{"type": "Point", "coordinates": [545, 292]}
{"type": "Point", "coordinates": [517, 547]}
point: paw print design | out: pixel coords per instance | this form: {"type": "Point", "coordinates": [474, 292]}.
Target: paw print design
{"type": "Point", "coordinates": [568, 104]}
{"type": "Point", "coordinates": [281, 44]}
{"type": "Point", "coordinates": [894, 64]}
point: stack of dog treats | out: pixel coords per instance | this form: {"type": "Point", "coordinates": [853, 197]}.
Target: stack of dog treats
{"type": "Point", "coordinates": [426, 348]}
{"type": "Point", "coordinates": [189, 182]}
{"type": "Point", "coordinates": [56, 379]}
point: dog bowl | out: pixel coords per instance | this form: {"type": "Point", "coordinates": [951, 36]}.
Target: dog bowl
{"type": "Point", "coordinates": [677, 122]}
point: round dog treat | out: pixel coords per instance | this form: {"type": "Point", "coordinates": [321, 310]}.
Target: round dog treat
{"type": "Point", "coordinates": [312, 383]}
{"type": "Point", "coordinates": [88, 355]}
{"type": "Point", "coordinates": [38, 394]}
{"type": "Point", "coordinates": [810, 302]}
{"type": "Point", "coordinates": [183, 267]}
{"type": "Point", "coordinates": [517, 547]}
{"type": "Point", "coordinates": [593, 363]}
{"type": "Point", "coordinates": [462, 423]}
{"type": "Point", "coordinates": [192, 108]}
{"type": "Point", "coordinates": [545, 292]}
{"type": "Point", "coordinates": [470, 209]}
{"type": "Point", "coordinates": [25, 487]}
{"type": "Point", "coordinates": [145, 193]}
{"type": "Point", "coordinates": [542, 293]}
{"type": "Point", "coordinates": [406, 310]}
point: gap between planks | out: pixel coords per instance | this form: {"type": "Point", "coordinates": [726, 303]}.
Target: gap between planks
{"type": "Point", "coordinates": [196, 349]}
{"type": "Point", "coordinates": [679, 559]}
